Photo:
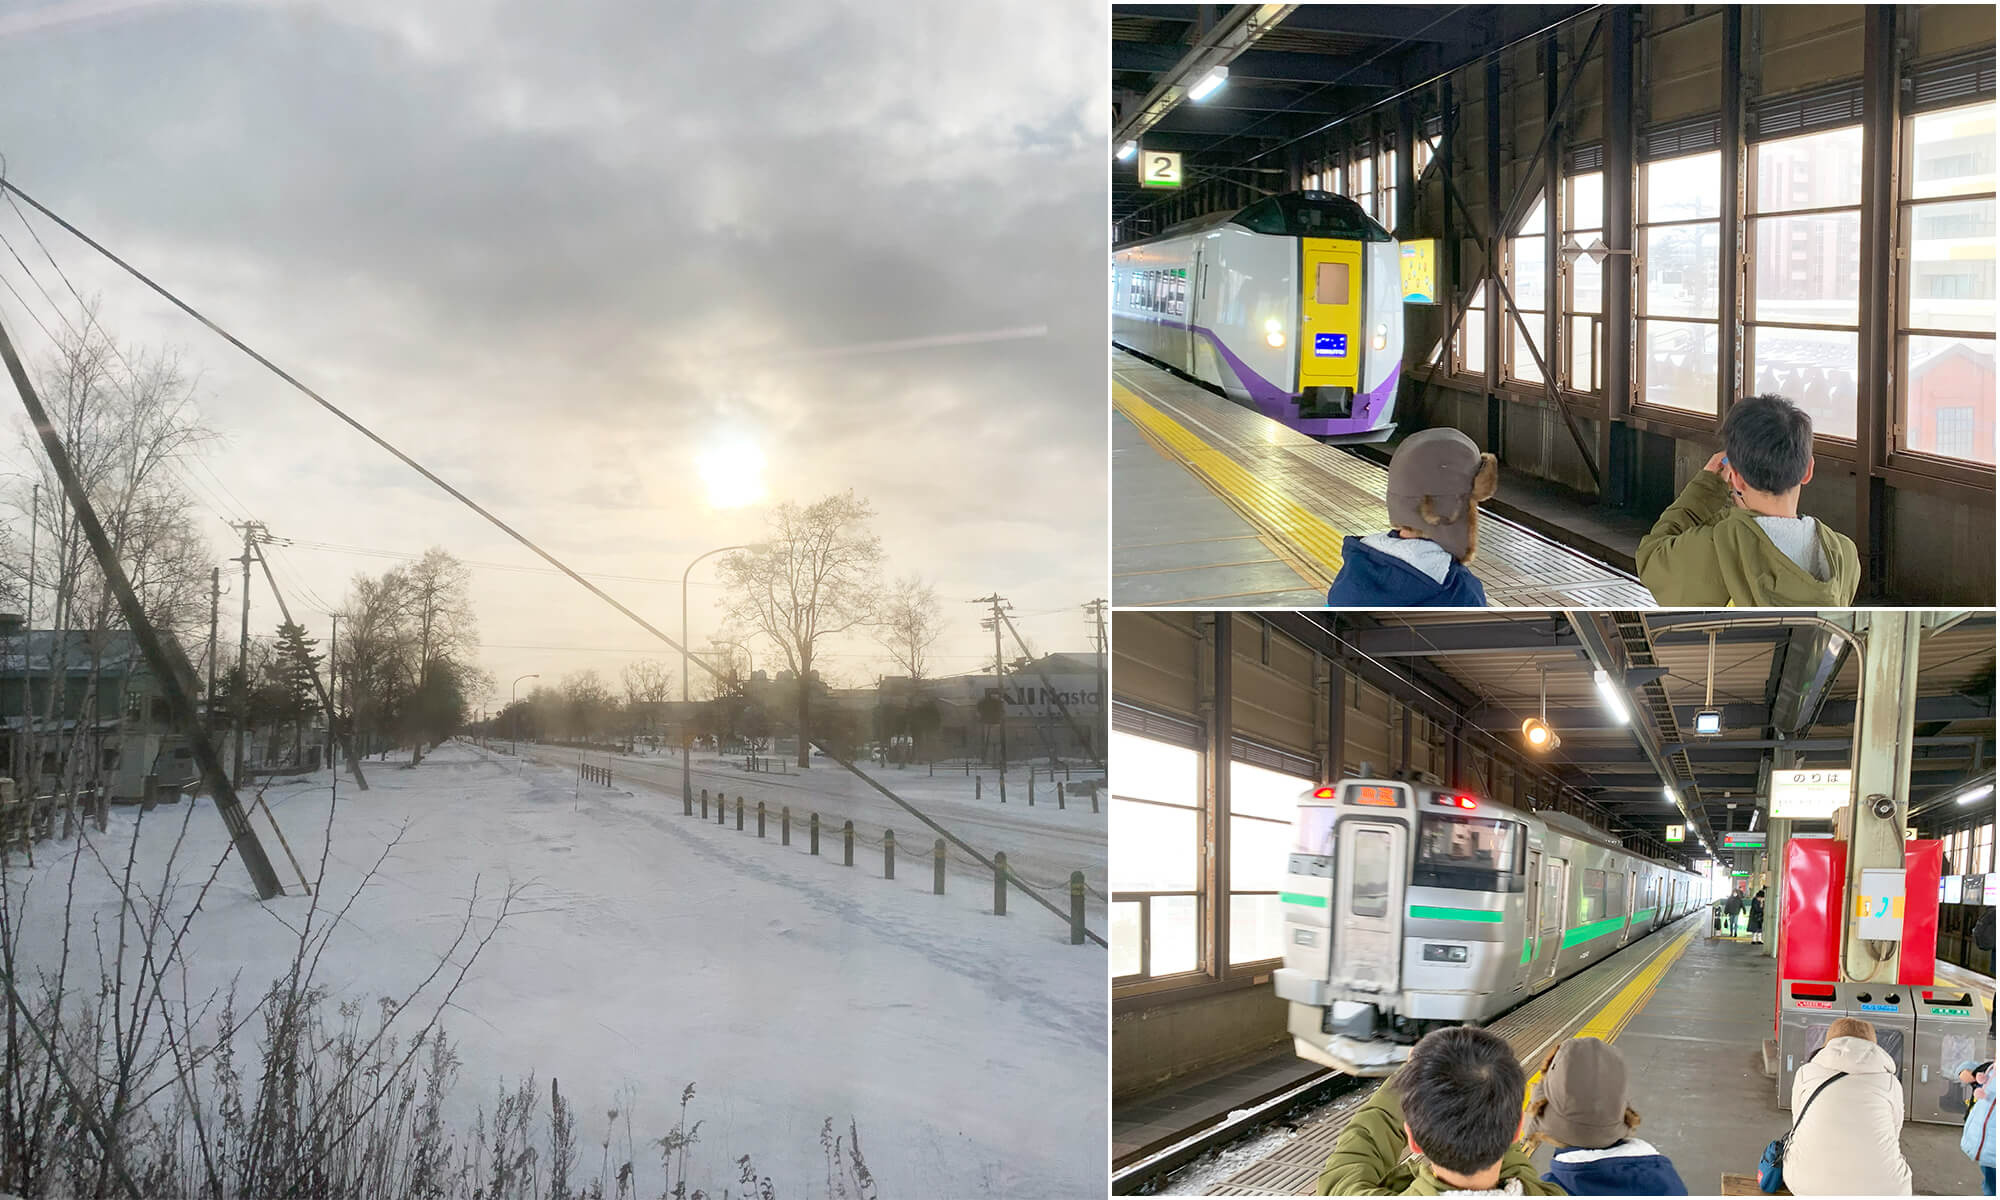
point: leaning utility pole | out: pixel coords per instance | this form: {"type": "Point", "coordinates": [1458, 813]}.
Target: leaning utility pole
{"type": "Point", "coordinates": [999, 684]}
{"type": "Point", "coordinates": [326, 705]}
{"type": "Point", "coordinates": [168, 663]}
{"type": "Point", "coordinates": [250, 531]}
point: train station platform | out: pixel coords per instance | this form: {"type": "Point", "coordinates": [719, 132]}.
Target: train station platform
{"type": "Point", "coordinates": [1296, 497]}
{"type": "Point", "coordinates": [1689, 1012]}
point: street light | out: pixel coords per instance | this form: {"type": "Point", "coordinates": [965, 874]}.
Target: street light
{"type": "Point", "coordinates": [512, 695]}
{"type": "Point", "coordinates": [687, 746]}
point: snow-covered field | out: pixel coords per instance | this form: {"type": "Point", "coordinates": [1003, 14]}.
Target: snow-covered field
{"type": "Point", "coordinates": [1043, 843]}
{"type": "Point", "coordinates": [649, 950]}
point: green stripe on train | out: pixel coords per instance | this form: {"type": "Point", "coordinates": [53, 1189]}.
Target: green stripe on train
{"type": "Point", "coordinates": [1596, 929]}
{"type": "Point", "coordinates": [1425, 912]}
{"type": "Point", "coordinates": [1302, 898]}
{"type": "Point", "coordinates": [1527, 951]}
{"type": "Point", "coordinates": [1644, 914]}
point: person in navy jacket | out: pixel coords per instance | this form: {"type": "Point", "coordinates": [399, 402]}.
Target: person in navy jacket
{"type": "Point", "coordinates": [1436, 480]}
{"type": "Point", "coordinates": [1580, 1106]}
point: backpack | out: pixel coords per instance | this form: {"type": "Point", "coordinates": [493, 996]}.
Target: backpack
{"type": "Point", "coordinates": [1771, 1167]}
{"type": "Point", "coordinates": [1982, 933]}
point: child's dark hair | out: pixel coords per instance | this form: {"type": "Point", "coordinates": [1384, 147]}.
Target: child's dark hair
{"type": "Point", "coordinates": [1540, 1105]}
{"type": "Point", "coordinates": [1461, 1094]}
{"type": "Point", "coordinates": [1769, 441]}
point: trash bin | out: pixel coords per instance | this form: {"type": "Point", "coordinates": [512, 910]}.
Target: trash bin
{"type": "Point", "coordinates": [1952, 1027]}
{"type": "Point", "coordinates": [1805, 1009]}
{"type": "Point", "coordinates": [1892, 1009]}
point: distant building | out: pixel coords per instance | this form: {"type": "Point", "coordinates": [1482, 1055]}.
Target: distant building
{"type": "Point", "coordinates": [125, 728]}
{"type": "Point", "coordinates": [1034, 697]}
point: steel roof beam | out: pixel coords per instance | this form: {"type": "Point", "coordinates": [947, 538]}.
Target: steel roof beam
{"type": "Point", "coordinates": [1220, 46]}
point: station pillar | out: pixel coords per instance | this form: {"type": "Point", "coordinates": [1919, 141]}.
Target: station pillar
{"type": "Point", "coordinates": [1873, 821]}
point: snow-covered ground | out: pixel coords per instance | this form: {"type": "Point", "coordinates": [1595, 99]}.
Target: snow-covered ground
{"type": "Point", "coordinates": [649, 950]}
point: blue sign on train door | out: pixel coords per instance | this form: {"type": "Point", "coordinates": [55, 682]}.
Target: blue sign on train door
{"type": "Point", "coordinates": [1330, 345]}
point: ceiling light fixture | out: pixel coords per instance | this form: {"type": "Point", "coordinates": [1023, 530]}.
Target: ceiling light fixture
{"type": "Point", "coordinates": [1210, 82]}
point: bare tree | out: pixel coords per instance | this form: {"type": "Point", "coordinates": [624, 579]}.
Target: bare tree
{"type": "Point", "coordinates": [443, 629]}
{"type": "Point", "coordinates": [649, 683]}
{"type": "Point", "coordinates": [815, 578]}
{"type": "Point", "coordinates": [124, 416]}
{"type": "Point", "coordinates": [911, 622]}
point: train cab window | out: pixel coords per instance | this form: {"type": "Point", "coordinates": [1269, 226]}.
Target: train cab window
{"type": "Point", "coordinates": [1480, 854]}
{"type": "Point", "coordinates": [1312, 214]}
{"type": "Point", "coordinates": [1330, 283]}
{"type": "Point", "coordinates": [1313, 829]}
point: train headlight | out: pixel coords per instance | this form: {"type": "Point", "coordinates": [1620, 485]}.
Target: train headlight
{"type": "Point", "coordinates": [1446, 954]}
{"type": "Point", "coordinates": [1274, 334]}
{"type": "Point", "coordinates": [1381, 337]}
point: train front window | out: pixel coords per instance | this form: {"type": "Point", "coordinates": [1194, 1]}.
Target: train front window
{"type": "Point", "coordinates": [1312, 214]}
{"type": "Point", "coordinates": [1314, 829]}
{"type": "Point", "coordinates": [1473, 853]}
{"type": "Point", "coordinates": [1368, 895]}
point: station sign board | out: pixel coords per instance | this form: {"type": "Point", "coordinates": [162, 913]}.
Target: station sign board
{"type": "Point", "coordinates": [1159, 168]}
{"type": "Point", "coordinates": [1809, 795]}
{"type": "Point", "coordinates": [1972, 889]}
{"type": "Point", "coordinates": [1419, 258]}
{"type": "Point", "coordinates": [1950, 888]}
{"type": "Point", "coordinates": [1677, 833]}
{"type": "Point", "coordinates": [1992, 890]}
{"type": "Point", "coordinates": [1743, 840]}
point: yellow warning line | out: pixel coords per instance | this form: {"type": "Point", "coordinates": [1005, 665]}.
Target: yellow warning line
{"type": "Point", "coordinates": [1609, 1021]}
{"type": "Point", "coordinates": [1264, 504]}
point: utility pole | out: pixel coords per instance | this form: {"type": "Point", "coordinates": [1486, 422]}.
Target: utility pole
{"type": "Point", "coordinates": [325, 703]}
{"type": "Point", "coordinates": [27, 738]}
{"type": "Point", "coordinates": [1096, 609]}
{"type": "Point", "coordinates": [251, 531]}
{"type": "Point", "coordinates": [997, 601]}
{"type": "Point", "coordinates": [332, 689]}
{"type": "Point", "coordinates": [214, 606]}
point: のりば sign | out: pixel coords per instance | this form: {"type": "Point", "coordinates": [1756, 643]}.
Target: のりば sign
{"type": "Point", "coordinates": [1803, 795]}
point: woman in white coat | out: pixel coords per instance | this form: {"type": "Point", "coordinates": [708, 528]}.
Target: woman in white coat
{"type": "Point", "coordinates": [1849, 1143]}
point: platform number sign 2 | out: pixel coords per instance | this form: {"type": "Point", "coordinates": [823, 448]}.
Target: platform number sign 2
{"type": "Point", "coordinates": [1159, 169]}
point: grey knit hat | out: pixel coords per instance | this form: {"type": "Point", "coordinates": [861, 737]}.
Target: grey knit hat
{"type": "Point", "coordinates": [1436, 480]}
{"type": "Point", "coordinates": [1585, 1090]}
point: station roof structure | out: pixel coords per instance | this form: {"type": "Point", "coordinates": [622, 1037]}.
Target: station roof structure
{"type": "Point", "coordinates": [1789, 688]}
{"type": "Point", "coordinates": [1292, 71]}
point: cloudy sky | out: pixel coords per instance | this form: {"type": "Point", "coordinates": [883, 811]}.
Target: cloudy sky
{"type": "Point", "coordinates": [561, 253]}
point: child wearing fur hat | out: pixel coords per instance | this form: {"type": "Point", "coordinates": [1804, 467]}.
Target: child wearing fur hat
{"type": "Point", "coordinates": [1436, 480]}
{"type": "Point", "coordinates": [1579, 1106]}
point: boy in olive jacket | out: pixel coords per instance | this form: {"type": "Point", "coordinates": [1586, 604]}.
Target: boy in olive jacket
{"type": "Point", "coordinates": [1735, 535]}
{"type": "Point", "coordinates": [1445, 1125]}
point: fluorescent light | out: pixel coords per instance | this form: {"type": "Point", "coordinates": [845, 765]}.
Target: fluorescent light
{"type": "Point", "coordinates": [1209, 83]}
{"type": "Point", "coordinates": [1612, 695]}
{"type": "Point", "coordinates": [1126, 151]}
{"type": "Point", "coordinates": [1979, 793]}
{"type": "Point", "coordinates": [1671, 797]}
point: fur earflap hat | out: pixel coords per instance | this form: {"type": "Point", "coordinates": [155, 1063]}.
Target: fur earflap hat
{"type": "Point", "coordinates": [1436, 480]}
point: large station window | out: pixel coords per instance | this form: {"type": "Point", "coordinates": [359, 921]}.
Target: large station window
{"type": "Point", "coordinates": [1680, 203]}
{"type": "Point", "coordinates": [1804, 283]}
{"type": "Point", "coordinates": [1472, 333]}
{"type": "Point", "coordinates": [1364, 182]}
{"type": "Point", "coordinates": [1154, 858]}
{"type": "Point", "coordinates": [1261, 805]}
{"type": "Point", "coordinates": [1583, 283]}
{"type": "Point", "coordinates": [1945, 331]}
{"type": "Point", "coordinates": [1527, 278]}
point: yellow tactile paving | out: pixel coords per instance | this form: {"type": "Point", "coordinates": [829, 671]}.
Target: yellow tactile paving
{"type": "Point", "coordinates": [1268, 506]}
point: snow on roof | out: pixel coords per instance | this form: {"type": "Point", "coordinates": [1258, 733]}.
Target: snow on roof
{"type": "Point", "coordinates": [109, 649]}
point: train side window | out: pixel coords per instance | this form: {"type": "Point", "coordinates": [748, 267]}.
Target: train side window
{"type": "Point", "coordinates": [1591, 901]}
{"type": "Point", "coordinates": [1330, 283]}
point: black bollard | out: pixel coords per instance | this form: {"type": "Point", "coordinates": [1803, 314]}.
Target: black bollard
{"type": "Point", "coordinates": [1062, 801]}
{"type": "Point", "coordinates": [937, 868]}
{"type": "Point", "coordinates": [721, 808]}
{"type": "Point", "coordinates": [978, 781]}
{"type": "Point", "coordinates": [847, 843]}
{"type": "Point", "coordinates": [1003, 786]}
{"type": "Point", "coordinates": [760, 818]}
{"type": "Point", "coordinates": [1031, 787]}
{"type": "Point", "coordinates": [815, 833]}
{"type": "Point", "coordinates": [1000, 884]}
{"type": "Point", "coordinates": [1093, 795]}
{"type": "Point", "coordinates": [704, 804]}
{"type": "Point", "coordinates": [888, 854]}
{"type": "Point", "coordinates": [1076, 908]}
{"type": "Point", "coordinates": [785, 825]}
{"type": "Point", "coordinates": [687, 805]}
{"type": "Point", "coordinates": [739, 814]}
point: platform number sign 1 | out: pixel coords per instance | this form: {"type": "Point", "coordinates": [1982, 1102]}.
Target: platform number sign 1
{"type": "Point", "coordinates": [1159, 168]}
{"type": "Point", "coordinates": [1676, 833]}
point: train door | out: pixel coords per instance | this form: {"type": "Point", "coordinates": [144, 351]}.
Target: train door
{"type": "Point", "coordinates": [1330, 306]}
{"type": "Point", "coordinates": [1195, 280]}
{"type": "Point", "coordinates": [1529, 919]}
{"type": "Point", "coordinates": [1555, 898]}
{"type": "Point", "coordinates": [1371, 868]}
{"type": "Point", "coordinates": [1631, 896]}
